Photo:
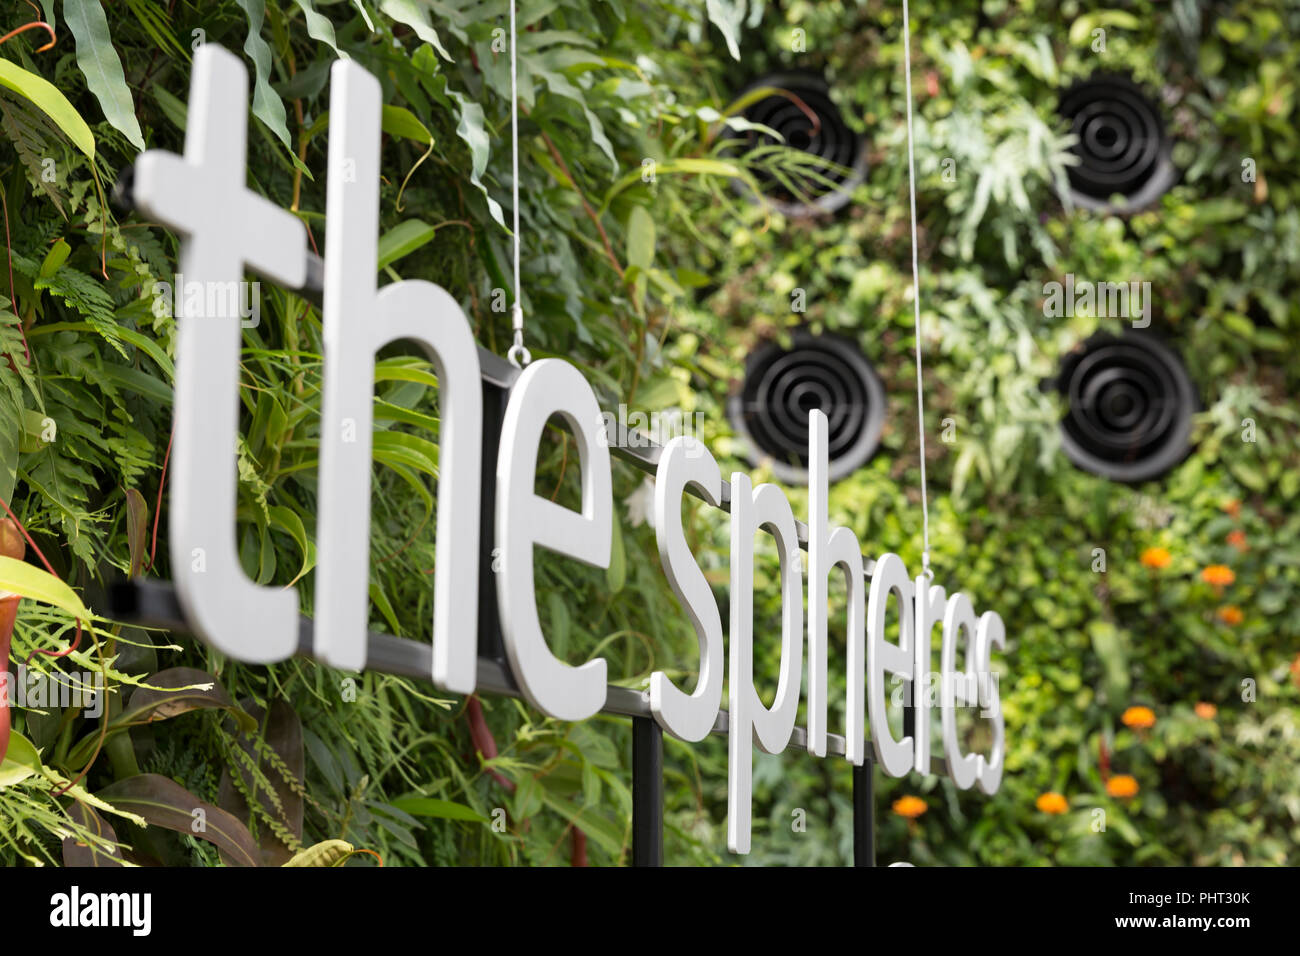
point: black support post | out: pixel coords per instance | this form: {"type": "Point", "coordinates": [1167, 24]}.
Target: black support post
{"type": "Point", "coordinates": [864, 817]}
{"type": "Point", "coordinates": [647, 792]}
{"type": "Point", "coordinates": [490, 642]}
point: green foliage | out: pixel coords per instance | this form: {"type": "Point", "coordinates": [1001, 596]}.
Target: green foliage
{"type": "Point", "coordinates": [1013, 524]}
{"type": "Point", "coordinates": [657, 286]}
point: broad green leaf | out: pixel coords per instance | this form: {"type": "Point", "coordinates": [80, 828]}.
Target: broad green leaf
{"type": "Point", "coordinates": [267, 105]}
{"type": "Point", "coordinates": [288, 521]}
{"type": "Point", "coordinates": [381, 601]}
{"type": "Point", "coordinates": [399, 121]}
{"type": "Point", "coordinates": [32, 582]}
{"type": "Point", "coordinates": [1081, 29]}
{"type": "Point", "coordinates": [403, 239]}
{"type": "Point", "coordinates": [101, 66]}
{"type": "Point", "coordinates": [472, 129]}
{"type": "Point", "coordinates": [319, 27]}
{"type": "Point", "coordinates": [640, 238]}
{"type": "Point", "coordinates": [55, 258]}
{"type": "Point", "coordinates": [443, 809]}
{"type": "Point", "coordinates": [50, 101]}
{"type": "Point", "coordinates": [21, 760]}
{"type": "Point", "coordinates": [409, 450]}
{"type": "Point", "coordinates": [408, 13]}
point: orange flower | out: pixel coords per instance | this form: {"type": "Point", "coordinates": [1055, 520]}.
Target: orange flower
{"type": "Point", "coordinates": [1205, 710]}
{"type": "Point", "coordinates": [1139, 717]}
{"type": "Point", "coordinates": [1233, 507]}
{"type": "Point", "coordinates": [1156, 558]}
{"type": "Point", "coordinates": [1237, 539]}
{"type": "Point", "coordinates": [1052, 803]}
{"type": "Point", "coordinates": [1295, 670]}
{"type": "Point", "coordinates": [910, 807]}
{"type": "Point", "coordinates": [1218, 575]}
{"type": "Point", "coordinates": [1122, 785]}
{"type": "Point", "coordinates": [1230, 614]}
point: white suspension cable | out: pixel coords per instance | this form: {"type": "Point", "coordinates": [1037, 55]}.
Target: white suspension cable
{"type": "Point", "coordinates": [518, 354]}
{"type": "Point", "coordinates": [916, 294]}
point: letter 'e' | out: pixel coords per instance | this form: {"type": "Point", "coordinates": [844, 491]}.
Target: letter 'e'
{"type": "Point", "coordinates": [524, 519]}
{"type": "Point", "coordinates": [894, 756]}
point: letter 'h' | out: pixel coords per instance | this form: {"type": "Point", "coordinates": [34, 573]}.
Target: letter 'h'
{"type": "Point", "coordinates": [227, 227]}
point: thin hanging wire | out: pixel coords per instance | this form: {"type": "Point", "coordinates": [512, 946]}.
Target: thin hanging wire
{"type": "Point", "coordinates": [518, 354]}
{"type": "Point", "coordinates": [916, 294]}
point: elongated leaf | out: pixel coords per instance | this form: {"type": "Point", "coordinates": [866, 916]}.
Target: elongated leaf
{"type": "Point", "coordinates": [267, 106]}
{"type": "Point", "coordinates": [101, 66]}
{"type": "Point", "coordinates": [442, 809]}
{"type": "Point", "coordinates": [165, 803]}
{"type": "Point", "coordinates": [32, 582]}
{"type": "Point", "coordinates": [370, 24]}
{"type": "Point", "coordinates": [137, 528]}
{"type": "Point", "coordinates": [21, 761]}
{"type": "Point", "coordinates": [184, 689]}
{"type": "Point", "coordinates": [175, 691]}
{"type": "Point", "coordinates": [472, 129]}
{"type": "Point", "coordinates": [287, 520]}
{"type": "Point", "coordinates": [726, 16]}
{"type": "Point", "coordinates": [10, 444]}
{"type": "Point", "coordinates": [399, 121]}
{"type": "Point", "coordinates": [283, 736]}
{"type": "Point", "coordinates": [403, 239]}
{"type": "Point", "coordinates": [319, 27]}
{"type": "Point", "coordinates": [76, 853]}
{"type": "Point", "coordinates": [406, 12]}
{"type": "Point", "coordinates": [640, 238]}
{"type": "Point", "coordinates": [410, 450]}
{"type": "Point", "coordinates": [51, 102]}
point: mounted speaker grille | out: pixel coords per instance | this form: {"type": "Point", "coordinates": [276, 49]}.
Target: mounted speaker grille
{"type": "Point", "coordinates": [1122, 147]}
{"type": "Point", "coordinates": [807, 120]}
{"type": "Point", "coordinates": [1130, 407]}
{"type": "Point", "coordinates": [783, 385]}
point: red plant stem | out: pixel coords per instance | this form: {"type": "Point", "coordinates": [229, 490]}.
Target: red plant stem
{"type": "Point", "coordinates": [1103, 760]}
{"type": "Point", "coordinates": [34, 25]}
{"type": "Point", "coordinates": [8, 613]}
{"type": "Point", "coordinates": [579, 857]}
{"type": "Point", "coordinates": [162, 483]}
{"type": "Point", "coordinates": [484, 742]}
{"type": "Point", "coordinates": [13, 302]}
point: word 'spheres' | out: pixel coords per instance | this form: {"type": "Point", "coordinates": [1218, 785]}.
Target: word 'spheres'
{"type": "Point", "coordinates": [227, 228]}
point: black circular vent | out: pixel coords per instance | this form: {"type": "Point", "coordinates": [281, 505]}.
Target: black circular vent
{"type": "Point", "coordinates": [807, 120]}
{"type": "Point", "coordinates": [783, 385]}
{"type": "Point", "coordinates": [1122, 147]}
{"type": "Point", "coordinates": [1130, 407]}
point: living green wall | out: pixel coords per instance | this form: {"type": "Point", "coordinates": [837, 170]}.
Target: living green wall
{"type": "Point", "coordinates": [657, 290]}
